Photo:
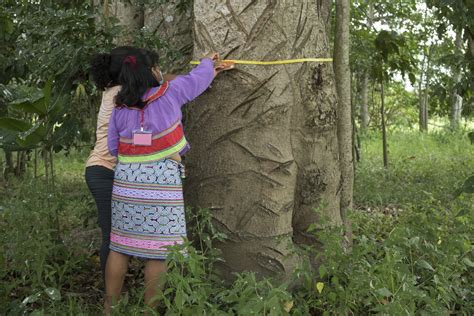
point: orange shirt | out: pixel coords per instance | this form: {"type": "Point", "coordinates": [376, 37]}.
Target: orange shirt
{"type": "Point", "coordinates": [100, 155]}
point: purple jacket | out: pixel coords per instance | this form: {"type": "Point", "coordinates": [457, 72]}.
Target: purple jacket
{"type": "Point", "coordinates": [162, 113]}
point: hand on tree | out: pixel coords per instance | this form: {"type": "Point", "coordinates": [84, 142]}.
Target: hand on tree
{"type": "Point", "coordinates": [221, 66]}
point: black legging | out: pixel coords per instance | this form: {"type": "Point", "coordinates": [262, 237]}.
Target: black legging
{"type": "Point", "coordinates": [100, 181]}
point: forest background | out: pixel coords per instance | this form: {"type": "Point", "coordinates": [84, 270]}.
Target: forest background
{"type": "Point", "coordinates": [411, 105]}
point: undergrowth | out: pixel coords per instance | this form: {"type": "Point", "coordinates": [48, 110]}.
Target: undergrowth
{"type": "Point", "coordinates": [415, 259]}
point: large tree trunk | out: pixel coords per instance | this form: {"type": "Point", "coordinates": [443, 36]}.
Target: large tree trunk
{"type": "Point", "coordinates": [456, 99]}
{"type": "Point", "coordinates": [130, 16]}
{"type": "Point", "coordinates": [344, 122]}
{"type": "Point", "coordinates": [169, 21]}
{"type": "Point", "coordinates": [265, 149]}
{"type": "Point", "coordinates": [174, 26]}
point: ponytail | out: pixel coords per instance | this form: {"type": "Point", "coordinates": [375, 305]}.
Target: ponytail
{"type": "Point", "coordinates": [135, 78]}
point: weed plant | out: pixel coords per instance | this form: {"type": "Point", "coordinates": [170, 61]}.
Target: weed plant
{"type": "Point", "coordinates": [411, 253]}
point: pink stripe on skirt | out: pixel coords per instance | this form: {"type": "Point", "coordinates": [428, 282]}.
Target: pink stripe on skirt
{"type": "Point", "coordinates": [148, 194]}
{"type": "Point", "coordinates": [142, 243]}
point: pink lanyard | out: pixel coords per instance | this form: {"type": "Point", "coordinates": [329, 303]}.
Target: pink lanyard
{"type": "Point", "coordinates": [142, 119]}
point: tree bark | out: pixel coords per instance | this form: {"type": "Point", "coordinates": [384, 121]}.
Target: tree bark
{"type": "Point", "coordinates": [46, 164]}
{"type": "Point", "coordinates": [423, 92]}
{"type": "Point", "coordinates": [355, 132]}
{"type": "Point", "coordinates": [9, 166]}
{"type": "Point", "coordinates": [265, 149]}
{"type": "Point", "coordinates": [35, 166]}
{"type": "Point", "coordinates": [470, 41]}
{"type": "Point", "coordinates": [171, 26]}
{"type": "Point", "coordinates": [364, 106]}
{"type": "Point", "coordinates": [344, 111]}
{"type": "Point", "coordinates": [456, 99]}
{"type": "Point", "coordinates": [176, 27]}
{"type": "Point", "coordinates": [130, 16]}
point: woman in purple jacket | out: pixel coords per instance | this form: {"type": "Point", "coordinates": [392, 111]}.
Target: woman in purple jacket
{"type": "Point", "coordinates": [105, 70]}
{"type": "Point", "coordinates": [146, 135]}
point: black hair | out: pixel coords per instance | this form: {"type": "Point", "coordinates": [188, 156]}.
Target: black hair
{"type": "Point", "coordinates": [136, 77]}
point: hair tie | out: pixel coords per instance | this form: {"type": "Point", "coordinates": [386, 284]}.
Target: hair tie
{"type": "Point", "coordinates": [130, 60]}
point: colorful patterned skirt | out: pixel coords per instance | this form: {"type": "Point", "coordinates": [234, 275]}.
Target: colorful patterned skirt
{"type": "Point", "coordinates": [147, 208]}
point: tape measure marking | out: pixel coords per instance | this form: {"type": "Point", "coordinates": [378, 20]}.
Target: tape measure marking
{"type": "Point", "coordinates": [275, 62]}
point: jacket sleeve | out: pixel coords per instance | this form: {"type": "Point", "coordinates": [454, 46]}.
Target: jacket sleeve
{"type": "Point", "coordinates": [113, 135]}
{"type": "Point", "coordinates": [186, 88]}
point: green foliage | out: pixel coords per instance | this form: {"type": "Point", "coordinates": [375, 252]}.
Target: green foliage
{"type": "Point", "coordinates": [404, 265]}
{"type": "Point", "coordinates": [423, 166]}
{"type": "Point", "coordinates": [14, 124]}
{"type": "Point", "coordinates": [458, 13]}
{"type": "Point", "coordinates": [389, 38]}
{"type": "Point", "coordinates": [384, 52]}
{"type": "Point", "coordinates": [44, 115]}
{"type": "Point", "coordinates": [44, 40]}
{"type": "Point", "coordinates": [412, 251]}
{"type": "Point", "coordinates": [41, 40]}
{"type": "Point", "coordinates": [6, 40]}
{"type": "Point", "coordinates": [68, 34]}
{"type": "Point", "coordinates": [392, 55]}
{"type": "Point", "coordinates": [43, 257]}
{"type": "Point", "coordinates": [400, 108]}
{"type": "Point", "coordinates": [468, 186]}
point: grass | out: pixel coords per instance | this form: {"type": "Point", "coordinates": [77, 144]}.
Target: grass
{"type": "Point", "coordinates": [421, 166]}
{"type": "Point", "coordinates": [412, 250]}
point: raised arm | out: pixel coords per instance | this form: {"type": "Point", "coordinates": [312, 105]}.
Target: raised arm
{"type": "Point", "coordinates": [113, 135]}
{"type": "Point", "coordinates": [187, 87]}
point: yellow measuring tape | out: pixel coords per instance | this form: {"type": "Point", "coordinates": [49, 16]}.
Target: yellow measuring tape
{"type": "Point", "coordinates": [274, 62]}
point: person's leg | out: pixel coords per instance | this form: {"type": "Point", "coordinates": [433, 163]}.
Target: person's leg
{"type": "Point", "coordinates": [100, 182]}
{"type": "Point", "coordinates": [154, 272]}
{"type": "Point", "coordinates": [116, 268]}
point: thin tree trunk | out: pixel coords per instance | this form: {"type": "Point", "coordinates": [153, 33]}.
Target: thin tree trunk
{"type": "Point", "coordinates": [9, 166]}
{"type": "Point", "coordinates": [36, 163]}
{"type": "Point", "coordinates": [23, 158]}
{"type": "Point", "coordinates": [344, 122]}
{"type": "Point", "coordinates": [421, 99]}
{"type": "Point", "coordinates": [51, 163]}
{"type": "Point", "coordinates": [364, 109]}
{"type": "Point", "coordinates": [456, 99]}
{"type": "Point", "coordinates": [425, 91]}
{"type": "Point", "coordinates": [355, 132]}
{"type": "Point", "coordinates": [364, 106]}
{"type": "Point", "coordinates": [384, 129]}
{"type": "Point", "coordinates": [470, 40]}
{"type": "Point", "coordinates": [372, 100]}
{"type": "Point", "coordinates": [18, 166]}
{"type": "Point", "coordinates": [46, 164]}
{"type": "Point", "coordinates": [264, 138]}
